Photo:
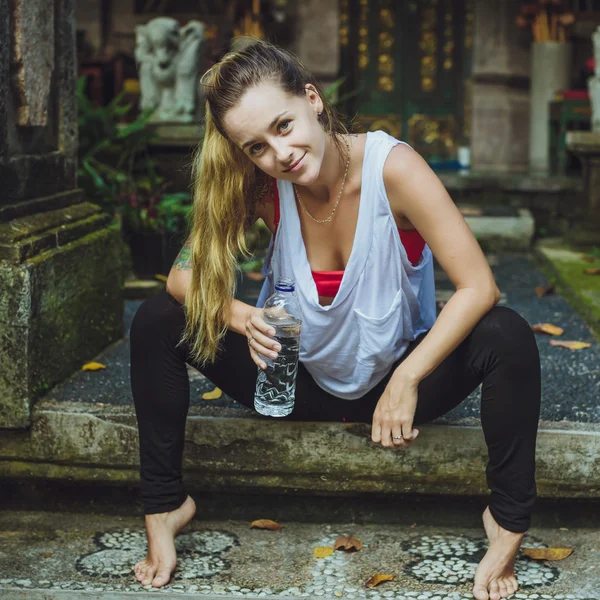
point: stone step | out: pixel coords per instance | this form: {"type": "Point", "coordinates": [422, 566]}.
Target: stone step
{"type": "Point", "coordinates": [500, 228]}
{"type": "Point", "coordinates": [85, 430]}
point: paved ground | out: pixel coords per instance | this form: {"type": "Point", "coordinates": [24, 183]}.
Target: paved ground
{"type": "Point", "coordinates": [55, 555]}
{"type": "Point", "coordinates": [571, 379]}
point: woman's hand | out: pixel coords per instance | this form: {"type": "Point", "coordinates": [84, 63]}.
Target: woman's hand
{"type": "Point", "coordinates": [259, 342]}
{"type": "Point", "coordinates": [395, 412]}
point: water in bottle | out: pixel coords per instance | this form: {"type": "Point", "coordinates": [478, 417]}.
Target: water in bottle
{"type": "Point", "coordinates": [276, 385]}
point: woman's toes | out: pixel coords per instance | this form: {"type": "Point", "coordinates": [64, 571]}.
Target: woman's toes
{"type": "Point", "coordinates": [162, 578]}
{"type": "Point", "coordinates": [503, 588]}
{"type": "Point", "coordinates": [148, 575]}
{"type": "Point", "coordinates": [480, 592]}
{"type": "Point", "coordinates": [494, 590]}
{"type": "Point", "coordinates": [514, 583]}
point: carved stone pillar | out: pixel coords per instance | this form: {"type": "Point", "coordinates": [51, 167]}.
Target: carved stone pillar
{"type": "Point", "coordinates": [60, 267]}
{"type": "Point", "coordinates": [500, 119]}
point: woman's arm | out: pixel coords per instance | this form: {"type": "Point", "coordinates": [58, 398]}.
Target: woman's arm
{"type": "Point", "coordinates": [180, 274]}
{"type": "Point", "coordinates": [416, 193]}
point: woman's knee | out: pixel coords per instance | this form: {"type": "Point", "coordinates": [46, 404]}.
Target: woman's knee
{"type": "Point", "coordinates": [508, 333]}
{"type": "Point", "coordinates": [157, 318]}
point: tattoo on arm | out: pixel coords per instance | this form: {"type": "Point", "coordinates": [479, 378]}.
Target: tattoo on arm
{"type": "Point", "coordinates": [259, 195]}
{"type": "Point", "coordinates": [261, 190]}
{"type": "Point", "coordinates": [183, 262]}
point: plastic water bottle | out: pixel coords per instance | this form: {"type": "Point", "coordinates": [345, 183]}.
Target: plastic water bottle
{"type": "Point", "coordinates": [276, 385]}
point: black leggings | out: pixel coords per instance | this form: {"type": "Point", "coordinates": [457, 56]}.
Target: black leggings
{"type": "Point", "coordinates": [501, 352]}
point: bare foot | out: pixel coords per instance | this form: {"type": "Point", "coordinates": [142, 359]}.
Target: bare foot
{"type": "Point", "coordinates": [161, 529]}
{"type": "Point", "coordinates": [495, 575]}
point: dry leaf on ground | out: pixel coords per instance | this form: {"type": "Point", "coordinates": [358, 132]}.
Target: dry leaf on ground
{"type": "Point", "coordinates": [547, 328]}
{"type": "Point", "coordinates": [470, 211]}
{"type": "Point", "coordinates": [47, 554]}
{"type": "Point", "coordinates": [254, 276]}
{"type": "Point", "coordinates": [160, 277]}
{"type": "Point", "coordinates": [589, 259]}
{"type": "Point", "coordinates": [93, 366]}
{"type": "Point", "coordinates": [571, 344]}
{"type": "Point", "coordinates": [322, 551]}
{"type": "Point", "coordinates": [266, 524]}
{"type": "Point", "coordinates": [593, 271]}
{"type": "Point", "coordinates": [544, 291]}
{"type": "Point", "coordinates": [547, 553]}
{"type": "Point", "coordinates": [378, 578]}
{"type": "Point", "coordinates": [348, 543]}
{"type": "Point", "coordinates": [216, 393]}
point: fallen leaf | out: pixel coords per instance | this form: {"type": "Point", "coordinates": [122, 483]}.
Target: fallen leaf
{"type": "Point", "coordinates": [255, 276]}
{"type": "Point", "coordinates": [563, 529]}
{"type": "Point", "coordinates": [471, 211]}
{"type": "Point", "coordinates": [413, 525]}
{"type": "Point", "coordinates": [348, 543]}
{"type": "Point", "coordinates": [322, 551]}
{"type": "Point", "coordinates": [160, 277]}
{"type": "Point", "coordinates": [589, 259]}
{"type": "Point", "coordinates": [594, 271]}
{"type": "Point", "coordinates": [547, 328]}
{"type": "Point", "coordinates": [378, 578]}
{"type": "Point", "coordinates": [216, 393]}
{"type": "Point", "coordinates": [93, 366]}
{"type": "Point", "coordinates": [265, 524]}
{"type": "Point", "coordinates": [47, 555]}
{"type": "Point", "coordinates": [338, 593]}
{"type": "Point", "coordinates": [571, 345]}
{"type": "Point", "coordinates": [547, 553]}
{"type": "Point", "coordinates": [544, 291]}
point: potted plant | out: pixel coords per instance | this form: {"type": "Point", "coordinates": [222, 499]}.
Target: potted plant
{"type": "Point", "coordinates": [155, 225]}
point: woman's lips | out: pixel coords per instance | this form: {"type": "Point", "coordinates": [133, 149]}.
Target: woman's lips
{"type": "Point", "coordinates": [296, 165]}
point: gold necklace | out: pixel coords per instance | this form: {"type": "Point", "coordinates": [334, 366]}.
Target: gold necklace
{"type": "Point", "coordinates": [328, 219]}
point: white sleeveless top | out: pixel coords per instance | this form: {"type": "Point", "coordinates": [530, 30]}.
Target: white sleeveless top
{"type": "Point", "coordinates": [383, 303]}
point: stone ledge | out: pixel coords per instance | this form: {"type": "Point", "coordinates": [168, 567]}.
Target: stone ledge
{"type": "Point", "coordinates": [89, 443]}
{"type": "Point", "coordinates": [502, 233]}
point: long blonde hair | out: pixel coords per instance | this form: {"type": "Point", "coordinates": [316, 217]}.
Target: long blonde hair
{"type": "Point", "coordinates": [224, 179]}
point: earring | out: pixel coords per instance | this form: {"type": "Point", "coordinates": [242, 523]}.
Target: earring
{"type": "Point", "coordinates": [319, 114]}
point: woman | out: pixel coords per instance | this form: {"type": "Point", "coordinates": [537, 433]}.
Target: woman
{"type": "Point", "coordinates": [355, 220]}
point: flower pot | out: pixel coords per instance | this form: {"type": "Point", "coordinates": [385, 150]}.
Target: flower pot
{"type": "Point", "coordinates": [154, 253]}
{"type": "Point", "coordinates": [550, 73]}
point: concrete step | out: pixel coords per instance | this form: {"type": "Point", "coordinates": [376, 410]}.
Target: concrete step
{"type": "Point", "coordinates": [82, 554]}
{"type": "Point", "coordinates": [85, 430]}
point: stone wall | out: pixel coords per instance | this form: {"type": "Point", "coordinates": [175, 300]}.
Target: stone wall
{"type": "Point", "coordinates": [500, 119]}
{"type": "Point", "coordinates": [60, 266]}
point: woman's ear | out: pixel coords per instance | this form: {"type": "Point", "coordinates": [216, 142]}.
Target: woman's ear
{"type": "Point", "coordinates": [313, 97]}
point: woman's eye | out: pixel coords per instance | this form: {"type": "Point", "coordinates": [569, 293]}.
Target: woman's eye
{"type": "Point", "coordinates": [284, 125]}
{"type": "Point", "coordinates": [256, 148]}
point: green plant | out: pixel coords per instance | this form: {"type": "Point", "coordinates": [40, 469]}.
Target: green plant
{"type": "Point", "coordinates": [332, 90]}
{"type": "Point", "coordinates": [111, 153]}
{"type": "Point", "coordinates": [153, 211]}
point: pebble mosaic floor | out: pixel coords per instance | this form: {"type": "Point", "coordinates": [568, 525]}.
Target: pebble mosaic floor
{"type": "Point", "coordinates": [446, 560]}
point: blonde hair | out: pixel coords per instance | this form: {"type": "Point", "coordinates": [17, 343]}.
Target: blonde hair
{"type": "Point", "coordinates": [224, 179]}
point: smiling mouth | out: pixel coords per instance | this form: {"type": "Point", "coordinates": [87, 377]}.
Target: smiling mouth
{"type": "Point", "coordinates": [295, 164]}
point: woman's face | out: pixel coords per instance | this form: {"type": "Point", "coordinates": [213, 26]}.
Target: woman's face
{"type": "Point", "coordinates": [278, 132]}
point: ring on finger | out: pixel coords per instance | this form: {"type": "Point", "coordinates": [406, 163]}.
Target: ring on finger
{"type": "Point", "coordinates": [397, 437]}
{"type": "Point", "coordinates": [250, 339]}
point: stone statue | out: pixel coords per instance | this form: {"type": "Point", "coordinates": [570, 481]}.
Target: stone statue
{"type": "Point", "coordinates": [169, 59]}
{"type": "Point", "coordinates": [594, 83]}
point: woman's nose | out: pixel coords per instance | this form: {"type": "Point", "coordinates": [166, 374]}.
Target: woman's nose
{"type": "Point", "coordinates": [283, 153]}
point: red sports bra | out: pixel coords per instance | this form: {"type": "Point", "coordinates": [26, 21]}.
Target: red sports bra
{"type": "Point", "coordinates": [328, 282]}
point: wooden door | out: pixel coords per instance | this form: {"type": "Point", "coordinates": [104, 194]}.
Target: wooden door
{"type": "Point", "coordinates": [410, 62]}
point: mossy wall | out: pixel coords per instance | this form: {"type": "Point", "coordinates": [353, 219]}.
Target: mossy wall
{"type": "Point", "coordinates": [57, 311]}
